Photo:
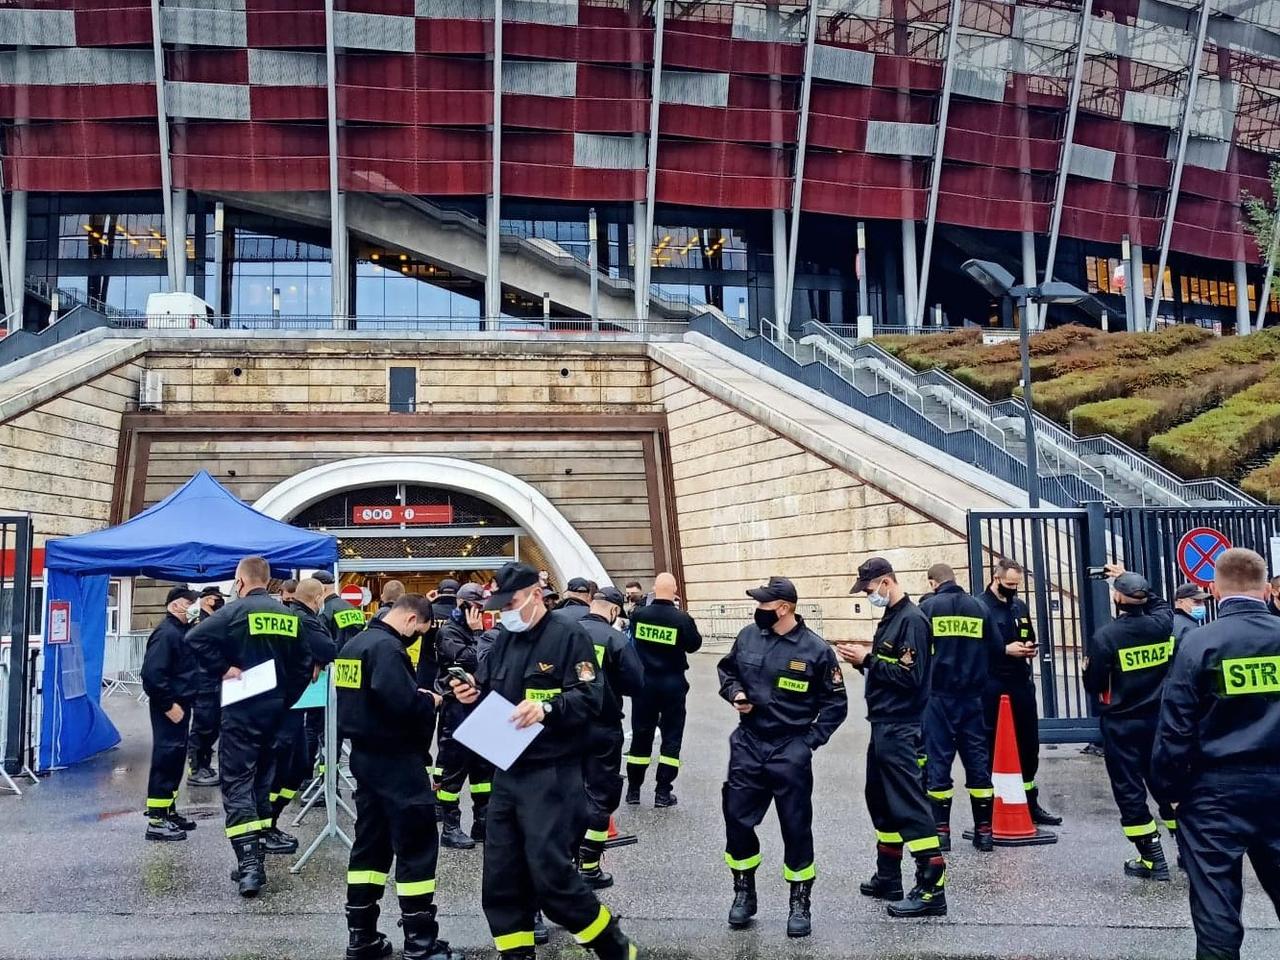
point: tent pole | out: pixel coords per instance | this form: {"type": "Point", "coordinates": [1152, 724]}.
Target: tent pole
{"type": "Point", "coordinates": [332, 757]}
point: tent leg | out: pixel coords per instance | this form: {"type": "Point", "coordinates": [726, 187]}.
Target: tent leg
{"type": "Point", "coordinates": [6, 781]}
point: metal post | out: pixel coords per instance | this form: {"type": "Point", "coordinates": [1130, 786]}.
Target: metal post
{"type": "Point", "coordinates": [1134, 275]}
{"type": "Point", "coordinates": [13, 297]}
{"type": "Point", "coordinates": [337, 222]}
{"type": "Point", "coordinates": [860, 268]}
{"type": "Point", "coordinates": [178, 239]}
{"type": "Point", "coordinates": [797, 179]}
{"type": "Point", "coordinates": [493, 213]}
{"type": "Point", "coordinates": [18, 248]}
{"type": "Point", "coordinates": [637, 256]}
{"type": "Point", "coordinates": [1032, 318]}
{"type": "Point", "coordinates": [1264, 292]}
{"type": "Point", "coordinates": [1184, 131]}
{"type": "Point", "coordinates": [19, 628]}
{"type": "Point", "coordinates": [1068, 139]}
{"type": "Point", "coordinates": [909, 271]}
{"type": "Point", "coordinates": [219, 216]}
{"type": "Point", "coordinates": [1028, 415]}
{"type": "Point", "coordinates": [931, 214]}
{"type": "Point", "coordinates": [1242, 298]}
{"type": "Point", "coordinates": [546, 306]}
{"type": "Point", "coordinates": [651, 159]}
{"type": "Point", "coordinates": [162, 125]}
{"type": "Point", "coordinates": [778, 220]}
{"type": "Point", "coordinates": [593, 257]}
{"type": "Point", "coordinates": [1125, 256]}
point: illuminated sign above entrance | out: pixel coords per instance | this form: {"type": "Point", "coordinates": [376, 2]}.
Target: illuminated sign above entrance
{"type": "Point", "coordinates": [424, 515]}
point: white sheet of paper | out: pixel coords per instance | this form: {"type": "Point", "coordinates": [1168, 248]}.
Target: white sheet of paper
{"type": "Point", "coordinates": [489, 732]}
{"type": "Point", "coordinates": [251, 683]}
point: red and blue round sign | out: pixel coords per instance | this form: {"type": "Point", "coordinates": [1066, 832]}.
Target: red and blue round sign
{"type": "Point", "coordinates": [1198, 552]}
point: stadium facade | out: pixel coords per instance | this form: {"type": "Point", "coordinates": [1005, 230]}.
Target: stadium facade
{"type": "Point", "coordinates": [812, 161]}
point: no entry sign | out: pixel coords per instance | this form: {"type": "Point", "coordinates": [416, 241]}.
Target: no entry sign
{"type": "Point", "coordinates": [1198, 552]}
{"type": "Point", "coordinates": [353, 594]}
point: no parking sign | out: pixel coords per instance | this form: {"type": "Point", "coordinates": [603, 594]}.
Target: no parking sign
{"type": "Point", "coordinates": [1198, 552]}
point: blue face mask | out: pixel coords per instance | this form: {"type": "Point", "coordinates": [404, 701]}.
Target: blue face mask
{"type": "Point", "coordinates": [1198, 614]}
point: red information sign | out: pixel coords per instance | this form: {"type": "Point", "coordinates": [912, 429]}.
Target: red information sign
{"type": "Point", "coordinates": [422, 515]}
{"type": "Point", "coordinates": [59, 629]}
{"type": "Point", "coordinates": [353, 594]}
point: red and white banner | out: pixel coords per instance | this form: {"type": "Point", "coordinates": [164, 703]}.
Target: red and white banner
{"type": "Point", "coordinates": [422, 515]}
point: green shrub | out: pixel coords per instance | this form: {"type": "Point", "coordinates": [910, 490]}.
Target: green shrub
{"type": "Point", "coordinates": [1126, 418]}
{"type": "Point", "coordinates": [1264, 483]}
{"type": "Point", "coordinates": [1218, 441]}
{"type": "Point", "coordinates": [1057, 397]}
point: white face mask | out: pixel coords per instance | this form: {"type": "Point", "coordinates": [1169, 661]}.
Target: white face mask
{"type": "Point", "coordinates": [513, 621]}
{"type": "Point", "coordinates": [878, 599]}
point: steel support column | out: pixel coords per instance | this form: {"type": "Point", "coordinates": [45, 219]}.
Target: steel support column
{"type": "Point", "coordinates": [1264, 291]}
{"type": "Point", "coordinates": [493, 210]}
{"type": "Point", "coordinates": [1030, 313]}
{"type": "Point", "coordinates": [1184, 132]}
{"type": "Point", "coordinates": [18, 249]}
{"type": "Point", "coordinates": [339, 280]}
{"type": "Point", "coordinates": [778, 220]}
{"type": "Point", "coordinates": [13, 297]}
{"type": "Point", "coordinates": [178, 239]}
{"type": "Point", "coordinates": [1242, 298]}
{"type": "Point", "coordinates": [1068, 143]}
{"type": "Point", "coordinates": [162, 127]}
{"type": "Point", "coordinates": [651, 157]}
{"type": "Point", "coordinates": [916, 318]}
{"type": "Point", "coordinates": [909, 272]}
{"type": "Point", "coordinates": [797, 178]}
{"type": "Point", "coordinates": [1133, 276]}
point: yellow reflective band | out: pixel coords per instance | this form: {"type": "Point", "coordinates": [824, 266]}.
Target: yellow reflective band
{"type": "Point", "coordinates": [1143, 658]}
{"type": "Point", "coordinates": [957, 627]}
{"type": "Point", "coordinates": [513, 941]}
{"type": "Point", "coordinates": [595, 928]}
{"type": "Point", "coordinates": [444, 796]}
{"type": "Point", "coordinates": [888, 837]}
{"type": "Point", "coordinates": [263, 624]}
{"type": "Point", "coordinates": [348, 618]}
{"type": "Point", "coordinates": [175, 794]}
{"type": "Point", "coordinates": [240, 829]}
{"type": "Point", "coordinates": [669, 761]}
{"type": "Point", "coordinates": [1171, 824]}
{"type": "Point", "coordinates": [415, 888]}
{"type": "Point", "coordinates": [273, 797]}
{"type": "Point", "coordinates": [922, 761]}
{"type": "Point", "coordinates": [1244, 675]}
{"type": "Point", "coordinates": [600, 654]}
{"type": "Point", "coordinates": [590, 866]}
{"type": "Point", "coordinates": [434, 771]}
{"type": "Point", "coordinates": [346, 674]}
{"type": "Point", "coordinates": [287, 794]}
{"type": "Point", "coordinates": [1028, 785]}
{"type": "Point", "coordinates": [881, 656]}
{"type": "Point", "coordinates": [655, 634]}
{"type": "Point", "coordinates": [1142, 830]}
{"type": "Point", "coordinates": [982, 793]}
{"type": "Point", "coordinates": [159, 804]}
{"type": "Point", "coordinates": [796, 876]}
{"type": "Point", "coordinates": [795, 686]}
{"type": "Point", "coordinates": [941, 794]}
{"type": "Point", "coordinates": [749, 863]}
{"type": "Point", "coordinates": [923, 844]}
{"type": "Point", "coordinates": [638, 761]}
{"type": "Point", "coordinates": [599, 836]}
{"type": "Point", "coordinates": [1024, 633]}
{"type": "Point", "coordinates": [541, 696]}
{"type": "Point", "coordinates": [375, 877]}
{"type": "Point", "coordinates": [481, 788]}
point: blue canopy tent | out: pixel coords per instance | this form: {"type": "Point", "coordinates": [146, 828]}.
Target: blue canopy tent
{"type": "Point", "coordinates": [197, 533]}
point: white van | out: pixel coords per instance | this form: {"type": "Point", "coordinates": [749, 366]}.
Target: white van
{"type": "Point", "coordinates": [177, 310]}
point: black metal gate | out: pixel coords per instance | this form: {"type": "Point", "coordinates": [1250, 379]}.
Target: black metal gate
{"type": "Point", "coordinates": [15, 623]}
{"type": "Point", "coordinates": [1057, 548]}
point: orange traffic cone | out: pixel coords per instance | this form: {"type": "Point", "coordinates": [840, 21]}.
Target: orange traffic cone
{"type": "Point", "coordinates": [613, 828]}
{"type": "Point", "coordinates": [617, 839]}
{"type": "Point", "coordinates": [1011, 824]}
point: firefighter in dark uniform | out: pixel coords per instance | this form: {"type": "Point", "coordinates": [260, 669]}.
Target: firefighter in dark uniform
{"type": "Point", "coordinates": [1189, 610]}
{"type": "Point", "coordinates": [623, 676]}
{"type": "Point", "coordinates": [206, 706]}
{"type": "Point", "coordinates": [255, 630]}
{"type": "Point", "coordinates": [457, 644]}
{"type": "Point", "coordinates": [292, 766]}
{"type": "Point", "coordinates": [1125, 669]}
{"type": "Point", "coordinates": [577, 598]}
{"type": "Point", "coordinates": [1011, 674]}
{"type": "Point", "coordinates": [170, 676]}
{"type": "Point", "coordinates": [787, 686]}
{"type": "Point", "coordinates": [665, 636]}
{"type": "Point", "coordinates": [390, 720]}
{"type": "Point", "coordinates": [545, 664]}
{"type": "Point", "coordinates": [896, 667]}
{"type": "Point", "coordinates": [343, 620]}
{"type": "Point", "coordinates": [1217, 752]}
{"type": "Point", "coordinates": [964, 642]}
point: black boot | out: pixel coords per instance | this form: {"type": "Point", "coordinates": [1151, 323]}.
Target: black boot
{"type": "Point", "coordinates": [1150, 864]}
{"type": "Point", "coordinates": [799, 921]}
{"type": "Point", "coordinates": [541, 934]}
{"type": "Point", "coordinates": [886, 882]}
{"type": "Point", "coordinates": [452, 836]}
{"type": "Point", "coordinates": [663, 797]}
{"type": "Point", "coordinates": [479, 819]}
{"type": "Point", "coordinates": [276, 841]}
{"type": "Point", "coordinates": [364, 942]}
{"type": "Point", "coordinates": [612, 944]}
{"type": "Point", "coordinates": [162, 828]}
{"type": "Point", "coordinates": [982, 809]}
{"type": "Point", "coordinates": [744, 899]}
{"type": "Point", "coordinates": [942, 818]}
{"type": "Point", "coordinates": [633, 792]}
{"type": "Point", "coordinates": [589, 858]}
{"type": "Point", "coordinates": [519, 953]}
{"type": "Point", "coordinates": [179, 821]}
{"type": "Point", "coordinates": [1038, 813]}
{"type": "Point", "coordinates": [421, 937]}
{"type": "Point", "coordinates": [203, 777]}
{"type": "Point", "coordinates": [928, 898]}
{"type": "Point", "coordinates": [250, 873]}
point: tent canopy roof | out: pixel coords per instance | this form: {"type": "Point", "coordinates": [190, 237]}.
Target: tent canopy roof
{"type": "Point", "coordinates": [198, 532]}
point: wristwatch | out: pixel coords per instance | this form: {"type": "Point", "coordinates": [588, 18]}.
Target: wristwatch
{"type": "Point", "coordinates": [546, 709]}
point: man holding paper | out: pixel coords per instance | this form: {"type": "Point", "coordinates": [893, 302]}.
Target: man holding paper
{"type": "Point", "coordinates": [547, 666]}
{"type": "Point", "coordinates": [254, 644]}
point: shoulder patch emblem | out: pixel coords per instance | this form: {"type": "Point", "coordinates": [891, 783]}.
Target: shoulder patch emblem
{"type": "Point", "coordinates": [907, 658]}
{"type": "Point", "coordinates": [798, 666]}
{"type": "Point", "coordinates": [546, 667]}
{"type": "Point", "coordinates": [837, 676]}
{"type": "Point", "coordinates": [586, 671]}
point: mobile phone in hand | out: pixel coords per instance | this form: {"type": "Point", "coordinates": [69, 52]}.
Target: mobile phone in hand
{"type": "Point", "coordinates": [457, 673]}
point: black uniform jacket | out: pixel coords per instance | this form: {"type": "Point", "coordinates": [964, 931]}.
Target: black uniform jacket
{"type": "Point", "coordinates": [1013, 624]}
{"type": "Point", "coordinates": [665, 635]}
{"type": "Point", "coordinates": [457, 646]}
{"type": "Point", "coordinates": [1128, 659]}
{"type": "Point", "coordinates": [623, 671]}
{"type": "Point", "coordinates": [897, 668]}
{"type": "Point", "coordinates": [1221, 704]}
{"type": "Point", "coordinates": [553, 663]}
{"type": "Point", "coordinates": [965, 642]}
{"type": "Point", "coordinates": [343, 620]}
{"type": "Point", "coordinates": [170, 674]}
{"type": "Point", "coordinates": [320, 643]}
{"type": "Point", "coordinates": [250, 631]}
{"type": "Point", "coordinates": [380, 707]}
{"type": "Point", "coordinates": [573, 608]}
{"type": "Point", "coordinates": [1183, 623]}
{"type": "Point", "coordinates": [793, 681]}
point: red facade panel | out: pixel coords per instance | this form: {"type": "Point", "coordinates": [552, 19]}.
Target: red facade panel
{"type": "Point", "coordinates": [288, 103]}
{"type": "Point", "coordinates": [252, 156]}
{"type": "Point", "coordinates": [112, 101]}
{"type": "Point", "coordinates": [122, 24]}
{"type": "Point", "coordinates": [416, 177]}
{"type": "Point", "coordinates": [575, 114]}
{"type": "Point", "coordinates": [377, 105]}
{"type": "Point", "coordinates": [581, 43]}
{"type": "Point", "coordinates": [560, 182]}
{"type": "Point", "coordinates": [286, 28]}
{"type": "Point", "coordinates": [883, 203]}
{"type": "Point", "coordinates": [453, 36]}
{"type": "Point", "coordinates": [704, 46]}
{"type": "Point", "coordinates": [82, 157]}
{"type": "Point", "coordinates": [207, 66]}
{"type": "Point", "coordinates": [720, 123]}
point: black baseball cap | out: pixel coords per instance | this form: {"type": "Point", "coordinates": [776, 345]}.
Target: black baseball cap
{"type": "Point", "coordinates": [578, 585]}
{"type": "Point", "coordinates": [1132, 585]}
{"type": "Point", "coordinates": [872, 569]}
{"type": "Point", "coordinates": [324, 576]}
{"type": "Point", "coordinates": [448, 588]}
{"type": "Point", "coordinates": [211, 592]}
{"type": "Point", "coordinates": [180, 593]}
{"type": "Point", "coordinates": [511, 577]}
{"type": "Point", "coordinates": [470, 593]}
{"type": "Point", "coordinates": [610, 595]}
{"type": "Point", "coordinates": [778, 588]}
{"type": "Point", "coordinates": [1190, 591]}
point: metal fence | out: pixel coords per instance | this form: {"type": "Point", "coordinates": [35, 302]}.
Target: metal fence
{"type": "Point", "coordinates": [719, 623]}
{"type": "Point", "coordinates": [15, 622]}
{"type": "Point", "coordinates": [482, 327]}
{"type": "Point", "coordinates": [122, 663]}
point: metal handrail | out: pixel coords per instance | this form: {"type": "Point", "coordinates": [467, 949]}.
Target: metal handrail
{"type": "Point", "coordinates": [71, 298]}
{"type": "Point", "coordinates": [481, 326]}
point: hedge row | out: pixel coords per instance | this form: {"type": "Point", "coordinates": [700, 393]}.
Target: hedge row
{"type": "Point", "coordinates": [1218, 441]}
{"type": "Point", "coordinates": [1264, 483]}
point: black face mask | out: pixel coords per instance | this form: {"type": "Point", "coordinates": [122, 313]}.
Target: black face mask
{"type": "Point", "coordinates": [1007, 592]}
{"type": "Point", "coordinates": [766, 619]}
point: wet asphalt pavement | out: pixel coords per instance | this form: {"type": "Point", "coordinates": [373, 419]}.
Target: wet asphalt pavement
{"type": "Point", "coordinates": [79, 881]}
